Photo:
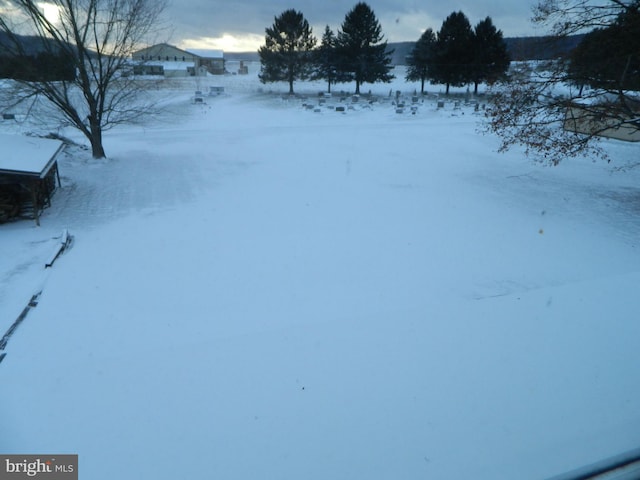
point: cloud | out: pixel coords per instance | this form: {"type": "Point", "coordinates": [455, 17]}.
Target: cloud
{"type": "Point", "coordinates": [242, 23]}
{"type": "Point", "coordinates": [228, 42]}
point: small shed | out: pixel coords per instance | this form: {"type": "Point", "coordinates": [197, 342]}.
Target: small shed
{"type": "Point", "coordinates": [598, 119]}
{"type": "Point", "coordinates": [212, 61]}
{"type": "Point", "coordinates": [28, 175]}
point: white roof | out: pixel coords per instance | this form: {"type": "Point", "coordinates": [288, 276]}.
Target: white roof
{"type": "Point", "coordinates": [27, 155]}
{"type": "Point", "coordinates": [167, 65]}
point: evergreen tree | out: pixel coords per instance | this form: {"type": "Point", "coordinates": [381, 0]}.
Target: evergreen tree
{"type": "Point", "coordinates": [286, 55]}
{"type": "Point", "coordinates": [609, 58]}
{"type": "Point", "coordinates": [580, 71]}
{"type": "Point", "coordinates": [491, 60]}
{"type": "Point", "coordinates": [362, 53]}
{"type": "Point", "coordinates": [325, 59]}
{"type": "Point", "coordinates": [454, 52]}
{"type": "Point", "coordinates": [421, 58]}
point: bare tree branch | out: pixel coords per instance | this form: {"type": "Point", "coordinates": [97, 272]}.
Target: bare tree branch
{"type": "Point", "coordinates": [97, 37]}
{"type": "Point", "coordinates": [545, 106]}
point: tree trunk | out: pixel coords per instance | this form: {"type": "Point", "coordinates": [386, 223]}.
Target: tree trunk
{"type": "Point", "coordinates": [422, 87]}
{"type": "Point", "coordinates": [475, 88]}
{"type": "Point", "coordinates": [357, 87]}
{"type": "Point", "coordinates": [447, 93]}
{"type": "Point", "coordinates": [97, 149]}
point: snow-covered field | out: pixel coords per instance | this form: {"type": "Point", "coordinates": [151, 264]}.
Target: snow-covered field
{"type": "Point", "coordinates": [257, 290]}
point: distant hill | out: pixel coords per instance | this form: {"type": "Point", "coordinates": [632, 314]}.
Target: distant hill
{"type": "Point", "coordinates": [31, 44]}
{"type": "Point", "coordinates": [519, 48]}
{"type": "Point", "coordinates": [242, 56]}
{"type": "Point", "coordinates": [541, 48]}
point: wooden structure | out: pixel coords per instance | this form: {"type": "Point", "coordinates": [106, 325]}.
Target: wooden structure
{"type": "Point", "coordinates": [593, 120]}
{"type": "Point", "coordinates": [28, 175]}
{"type": "Point", "coordinates": [211, 61]}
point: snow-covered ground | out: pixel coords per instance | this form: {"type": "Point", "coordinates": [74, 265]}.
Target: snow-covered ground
{"type": "Point", "coordinates": [260, 290]}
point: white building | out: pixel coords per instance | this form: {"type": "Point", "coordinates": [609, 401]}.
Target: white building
{"type": "Point", "coordinates": [170, 61]}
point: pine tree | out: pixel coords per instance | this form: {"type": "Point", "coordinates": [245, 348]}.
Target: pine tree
{"type": "Point", "coordinates": [325, 59]}
{"type": "Point", "coordinates": [421, 58]}
{"type": "Point", "coordinates": [609, 58]}
{"type": "Point", "coordinates": [286, 55]}
{"type": "Point", "coordinates": [491, 59]}
{"type": "Point", "coordinates": [589, 52]}
{"type": "Point", "coordinates": [362, 53]}
{"type": "Point", "coordinates": [454, 52]}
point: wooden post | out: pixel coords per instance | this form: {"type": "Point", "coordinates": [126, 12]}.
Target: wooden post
{"type": "Point", "coordinates": [34, 200]}
{"type": "Point", "coordinates": [58, 174]}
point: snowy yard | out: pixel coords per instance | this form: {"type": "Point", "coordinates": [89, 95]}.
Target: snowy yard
{"type": "Point", "coordinates": [259, 290]}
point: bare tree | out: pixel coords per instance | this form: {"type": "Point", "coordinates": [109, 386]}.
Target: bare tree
{"type": "Point", "coordinates": [544, 106]}
{"type": "Point", "coordinates": [97, 38]}
{"type": "Point", "coordinates": [568, 17]}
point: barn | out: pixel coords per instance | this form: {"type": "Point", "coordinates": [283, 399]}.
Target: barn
{"type": "Point", "coordinates": [171, 61]}
{"type": "Point", "coordinates": [28, 175]}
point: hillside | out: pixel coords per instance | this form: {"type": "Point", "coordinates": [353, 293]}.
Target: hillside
{"type": "Point", "coordinates": [31, 44]}
{"type": "Point", "coordinates": [541, 48]}
{"type": "Point", "coordinates": [520, 48]}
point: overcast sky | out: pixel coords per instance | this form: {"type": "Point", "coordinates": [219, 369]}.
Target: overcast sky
{"type": "Point", "coordinates": [239, 25]}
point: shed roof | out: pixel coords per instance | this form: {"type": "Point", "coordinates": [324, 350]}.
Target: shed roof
{"type": "Point", "coordinates": [166, 65]}
{"type": "Point", "coordinates": [30, 156]}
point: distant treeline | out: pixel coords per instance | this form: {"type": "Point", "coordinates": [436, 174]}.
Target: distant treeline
{"type": "Point", "coordinates": [541, 48]}
{"type": "Point", "coordinates": [519, 48]}
{"type": "Point", "coordinates": [34, 62]}
{"type": "Point", "coordinates": [39, 67]}
{"type": "Point", "coordinates": [35, 65]}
